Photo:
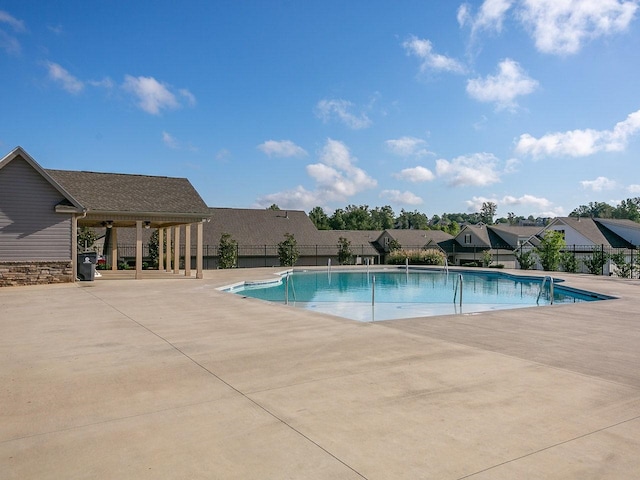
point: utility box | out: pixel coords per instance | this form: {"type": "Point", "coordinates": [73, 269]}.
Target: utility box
{"type": "Point", "coordinates": [87, 266]}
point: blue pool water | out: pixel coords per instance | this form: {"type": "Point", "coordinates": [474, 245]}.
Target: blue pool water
{"type": "Point", "coordinates": [393, 294]}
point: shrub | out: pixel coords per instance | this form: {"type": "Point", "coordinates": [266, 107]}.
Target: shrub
{"type": "Point", "coordinates": [526, 259]}
{"type": "Point", "coordinates": [227, 251]}
{"type": "Point", "coordinates": [288, 252]}
{"type": "Point", "coordinates": [549, 250]}
{"type": "Point", "coordinates": [430, 256]}
{"type": "Point", "coordinates": [596, 261]}
{"type": "Point", "coordinates": [568, 262]}
{"type": "Point", "coordinates": [624, 268]}
{"type": "Point", "coordinates": [344, 251]}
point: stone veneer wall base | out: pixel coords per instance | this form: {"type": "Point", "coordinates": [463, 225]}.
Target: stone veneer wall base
{"type": "Point", "coordinates": [35, 273]}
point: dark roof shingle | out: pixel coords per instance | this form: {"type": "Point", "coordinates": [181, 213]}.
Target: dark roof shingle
{"type": "Point", "coordinates": [115, 192]}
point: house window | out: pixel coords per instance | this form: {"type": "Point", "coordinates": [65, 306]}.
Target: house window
{"type": "Point", "coordinates": [467, 238]}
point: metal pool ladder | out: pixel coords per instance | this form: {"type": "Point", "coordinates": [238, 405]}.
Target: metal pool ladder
{"type": "Point", "coordinates": [544, 281]}
{"type": "Point", "coordinates": [455, 289]}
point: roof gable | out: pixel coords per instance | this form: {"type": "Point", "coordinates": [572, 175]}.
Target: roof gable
{"type": "Point", "coordinates": [19, 153]}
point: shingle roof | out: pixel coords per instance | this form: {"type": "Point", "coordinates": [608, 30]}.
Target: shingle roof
{"type": "Point", "coordinates": [114, 192]}
{"type": "Point", "coordinates": [259, 226]}
{"type": "Point", "coordinates": [597, 233]}
{"type": "Point", "coordinates": [418, 238]}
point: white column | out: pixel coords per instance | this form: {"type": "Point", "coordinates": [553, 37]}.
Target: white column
{"type": "Point", "coordinates": [160, 248]}
{"type": "Point", "coordinates": [168, 258]}
{"type": "Point", "coordinates": [187, 250]}
{"type": "Point", "coordinates": [114, 249]}
{"type": "Point", "coordinates": [199, 251]}
{"type": "Point", "coordinates": [138, 249]}
{"type": "Point", "coordinates": [176, 250]}
{"type": "Point", "coordinates": [74, 248]}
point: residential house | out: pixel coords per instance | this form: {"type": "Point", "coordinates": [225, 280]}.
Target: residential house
{"type": "Point", "coordinates": [583, 236]}
{"type": "Point", "coordinates": [42, 210]}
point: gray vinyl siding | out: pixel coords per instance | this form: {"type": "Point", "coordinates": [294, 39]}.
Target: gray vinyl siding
{"type": "Point", "coordinates": [30, 229]}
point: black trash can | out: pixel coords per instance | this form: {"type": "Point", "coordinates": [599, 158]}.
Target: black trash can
{"type": "Point", "coordinates": [87, 266]}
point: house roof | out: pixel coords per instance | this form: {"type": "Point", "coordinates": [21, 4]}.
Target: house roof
{"type": "Point", "coordinates": [417, 238]}
{"type": "Point", "coordinates": [511, 233]}
{"type": "Point", "coordinates": [124, 193]}
{"type": "Point", "coordinates": [259, 226]}
{"type": "Point", "coordinates": [595, 232]}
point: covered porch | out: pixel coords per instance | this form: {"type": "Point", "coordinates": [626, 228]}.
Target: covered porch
{"type": "Point", "coordinates": [170, 228]}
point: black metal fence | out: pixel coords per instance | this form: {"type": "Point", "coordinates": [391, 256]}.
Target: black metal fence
{"type": "Point", "coordinates": [318, 255]}
{"type": "Point", "coordinates": [248, 255]}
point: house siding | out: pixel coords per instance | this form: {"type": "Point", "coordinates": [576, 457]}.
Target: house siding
{"type": "Point", "coordinates": [30, 229]}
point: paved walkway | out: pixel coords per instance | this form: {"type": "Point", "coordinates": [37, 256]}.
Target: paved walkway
{"type": "Point", "coordinates": [170, 378]}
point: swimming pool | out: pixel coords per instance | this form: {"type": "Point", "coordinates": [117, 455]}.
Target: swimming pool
{"type": "Point", "coordinates": [398, 293]}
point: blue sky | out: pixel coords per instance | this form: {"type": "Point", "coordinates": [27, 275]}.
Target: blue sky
{"type": "Point", "coordinates": [435, 106]}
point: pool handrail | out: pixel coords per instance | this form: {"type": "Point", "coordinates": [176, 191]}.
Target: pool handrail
{"type": "Point", "coordinates": [455, 289]}
{"type": "Point", "coordinates": [544, 280]}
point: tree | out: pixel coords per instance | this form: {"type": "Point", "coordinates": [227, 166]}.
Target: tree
{"type": "Point", "coordinates": [357, 217]}
{"type": "Point", "coordinates": [596, 261]}
{"type": "Point", "coordinates": [569, 262]}
{"type": "Point", "coordinates": [227, 251]}
{"type": "Point", "coordinates": [487, 212]}
{"type": "Point", "coordinates": [382, 218]}
{"type": "Point", "coordinates": [526, 259]}
{"type": "Point", "coordinates": [412, 220]}
{"type": "Point", "coordinates": [344, 251]}
{"type": "Point", "coordinates": [624, 269]}
{"type": "Point", "coordinates": [288, 251]}
{"type": "Point", "coordinates": [549, 250]}
{"type": "Point", "coordinates": [319, 218]}
{"type": "Point", "coordinates": [453, 228]}
{"type": "Point", "coordinates": [154, 253]}
{"type": "Point", "coordinates": [336, 221]}
{"type": "Point", "coordinates": [86, 238]}
{"type": "Point", "coordinates": [628, 209]}
{"type": "Point", "coordinates": [593, 210]}
{"type": "Point", "coordinates": [273, 207]}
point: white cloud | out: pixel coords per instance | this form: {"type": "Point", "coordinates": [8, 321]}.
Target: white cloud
{"type": "Point", "coordinates": [429, 60]}
{"type": "Point", "coordinates": [479, 169]}
{"type": "Point", "coordinates": [415, 174]}
{"type": "Point", "coordinates": [106, 82]}
{"type": "Point", "coordinates": [581, 143]}
{"type": "Point", "coordinates": [407, 146]}
{"type": "Point", "coordinates": [490, 16]}
{"type": "Point", "coordinates": [8, 42]}
{"type": "Point", "coordinates": [282, 148]}
{"type": "Point", "coordinates": [634, 188]}
{"type": "Point", "coordinates": [526, 200]}
{"type": "Point", "coordinates": [336, 178]}
{"type": "Point", "coordinates": [503, 88]}
{"type": "Point", "coordinates": [475, 204]}
{"type": "Point", "coordinates": [188, 96]}
{"type": "Point", "coordinates": [62, 77]}
{"type": "Point", "coordinates": [599, 184]}
{"type": "Point", "coordinates": [169, 140]}
{"type": "Point", "coordinates": [153, 96]}
{"type": "Point", "coordinates": [340, 109]}
{"type": "Point", "coordinates": [561, 27]}
{"type": "Point", "coordinates": [396, 196]}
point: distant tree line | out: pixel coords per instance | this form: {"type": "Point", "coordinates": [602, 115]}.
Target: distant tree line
{"type": "Point", "coordinates": [361, 217]}
{"type": "Point", "coordinates": [627, 209]}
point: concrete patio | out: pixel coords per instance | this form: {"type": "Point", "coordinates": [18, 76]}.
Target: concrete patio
{"type": "Point", "coordinates": [168, 378]}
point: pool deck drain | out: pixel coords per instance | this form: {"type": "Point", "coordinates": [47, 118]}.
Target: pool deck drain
{"type": "Point", "coordinates": [174, 379]}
